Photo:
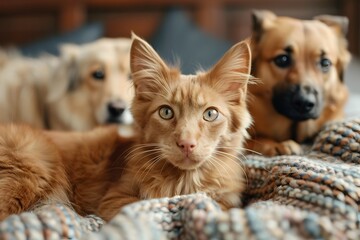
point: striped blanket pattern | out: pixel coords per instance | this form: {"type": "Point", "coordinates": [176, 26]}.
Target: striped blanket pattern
{"type": "Point", "coordinates": [314, 196]}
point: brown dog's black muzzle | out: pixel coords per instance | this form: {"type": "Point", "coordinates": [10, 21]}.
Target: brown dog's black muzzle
{"type": "Point", "coordinates": [297, 102]}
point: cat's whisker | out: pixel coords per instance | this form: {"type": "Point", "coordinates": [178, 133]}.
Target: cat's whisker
{"type": "Point", "coordinates": [139, 153]}
{"type": "Point", "coordinates": [220, 154]}
{"type": "Point", "coordinates": [130, 150]}
{"type": "Point", "coordinates": [139, 157]}
{"type": "Point", "coordinates": [242, 149]}
{"type": "Point", "coordinates": [252, 151]}
{"type": "Point", "coordinates": [212, 161]}
{"type": "Point", "coordinates": [235, 159]}
{"type": "Point", "coordinates": [148, 168]}
{"type": "Point", "coordinates": [143, 148]}
{"type": "Point", "coordinates": [140, 171]}
{"type": "Point", "coordinates": [123, 155]}
{"type": "Point", "coordinates": [150, 155]}
{"type": "Point", "coordinates": [134, 151]}
{"type": "Point", "coordinates": [162, 168]}
{"type": "Point", "coordinates": [144, 145]}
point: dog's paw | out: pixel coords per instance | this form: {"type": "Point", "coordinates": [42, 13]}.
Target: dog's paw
{"type": "Point", "coordinates": [271, 148]}
{"type": "Point", "coordinates": [288, 147]}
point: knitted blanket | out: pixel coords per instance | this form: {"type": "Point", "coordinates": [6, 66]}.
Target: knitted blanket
{"type": "Point", "coordinates": [315, 196]}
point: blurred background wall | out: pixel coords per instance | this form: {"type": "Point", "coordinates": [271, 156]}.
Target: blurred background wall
{"type": "Point", "coordinates": [26, 21]}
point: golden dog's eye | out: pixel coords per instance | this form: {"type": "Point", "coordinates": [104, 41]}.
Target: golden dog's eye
{"type": "Point", "coordinates": [165, 112]}
{"type": "Point", "coordinates": [210, 114]}
{"type": "Point", "coordinates": [98, 75]}
{"type": "Point", "coordinates": [325, 64]}
{"type": "Point", "coordinates": [283, 60]}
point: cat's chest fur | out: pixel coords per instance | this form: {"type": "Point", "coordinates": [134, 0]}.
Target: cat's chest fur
{"type": "Point", "coordinates": [160, 184]}
{"type": "Point", "coordinates": [165, 180]}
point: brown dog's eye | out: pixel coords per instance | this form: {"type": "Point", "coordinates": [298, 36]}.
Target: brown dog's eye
{"type": "Point", "coordinates": [283, 60]}
{"type": "Point", "coordinates": [325, 64]}
{"type": "Point", "coordinates": [98, 75]}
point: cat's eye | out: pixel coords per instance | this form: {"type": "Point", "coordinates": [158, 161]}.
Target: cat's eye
{"type": "Point", "coordinates": [98, 74]}
{"type": "Point", "coordinates": [166, 112]}
{"type": "Point", "coordinates": [211, 114]}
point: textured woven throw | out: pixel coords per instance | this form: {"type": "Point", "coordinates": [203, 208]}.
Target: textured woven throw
{"type": "Point", "coordinates": [314, 196]}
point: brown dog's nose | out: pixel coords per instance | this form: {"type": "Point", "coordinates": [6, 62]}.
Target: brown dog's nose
{"type": "Point", "coordinates": [297, 102]}
{"type": "Point", "coordinates": [304, 103]}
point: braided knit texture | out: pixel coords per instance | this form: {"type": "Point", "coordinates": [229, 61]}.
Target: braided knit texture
{"type": "Point", "coordinates": [314, 196]}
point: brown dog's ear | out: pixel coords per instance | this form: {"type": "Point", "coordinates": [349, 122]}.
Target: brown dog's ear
{"type": "Point", "coordinates": [261, 19]}
{"type": "Point", "coordinates": [340, 25]}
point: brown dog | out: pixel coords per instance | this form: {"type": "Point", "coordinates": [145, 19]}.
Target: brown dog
{"type": "Point", "coordinates": [300, 65]}
{"type": "Point", "coordinates": [88, 85]}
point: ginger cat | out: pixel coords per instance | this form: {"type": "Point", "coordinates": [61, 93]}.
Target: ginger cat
{"type": "Point", "coordinates": [190, 131]}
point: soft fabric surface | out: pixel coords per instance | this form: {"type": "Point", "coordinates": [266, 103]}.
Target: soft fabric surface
{"type": "Point", "coordinates": [315, 196]}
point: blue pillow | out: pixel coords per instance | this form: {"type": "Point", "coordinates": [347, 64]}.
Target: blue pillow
{"type": "Point", "coordinates": [179, 38]}
{"type": "Point", "coordinates": [84, 34]}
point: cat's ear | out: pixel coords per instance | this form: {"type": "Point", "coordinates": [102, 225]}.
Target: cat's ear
{"type": "Point", "coordinates": [149, 71]}
{"type": "Point", "coordinates": [231, 74]}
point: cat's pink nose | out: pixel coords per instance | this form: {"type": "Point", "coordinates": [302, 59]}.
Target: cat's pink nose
{"type": "Point", "coordinates": [187, 145]}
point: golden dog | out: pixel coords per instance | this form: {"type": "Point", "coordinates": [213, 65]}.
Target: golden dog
{"type": "Point", "coordinates": [300, 65]}
{"type": "Point", "coordinates": [86, 86]}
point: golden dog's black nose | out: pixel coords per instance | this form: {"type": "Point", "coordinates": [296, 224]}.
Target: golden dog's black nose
{"type": "Point", "coordinates": [115, 109]}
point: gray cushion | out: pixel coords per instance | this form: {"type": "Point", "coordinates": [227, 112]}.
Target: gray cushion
{"type": "Point", "coordinates": [179, 38]}
{"type": "Point", "coordinates": [84, 34]}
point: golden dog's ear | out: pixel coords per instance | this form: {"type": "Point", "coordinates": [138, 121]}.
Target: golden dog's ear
{"type": "Point", "coordinates": [67, 74]}
{"type": "Point", "coordinates": [261, 19]}
{"type": "Point", "coordinates": [339, 23]}
{"type": "Point", "coordinates": [340, 26]}
{"type": "Point", "coordinates": [70, 53]}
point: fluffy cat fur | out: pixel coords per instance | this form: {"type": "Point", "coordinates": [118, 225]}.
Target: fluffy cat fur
{"type": "Point", "coordinates": [190, 131]}
{"type": "Point", "coordinates": [74, 168]}
{"type": "Point", "coordinates": [184, 153]}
